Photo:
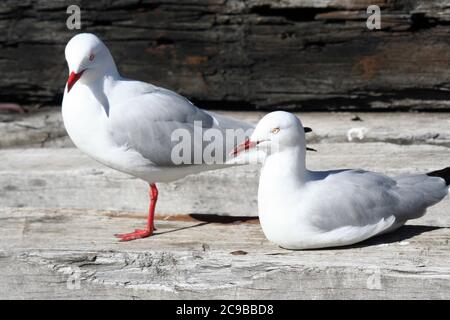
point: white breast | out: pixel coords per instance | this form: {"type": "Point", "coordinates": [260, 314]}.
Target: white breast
{"type": "Point", "coordinates": [85, 121]}
{"type": "Point", "coordinates": [281, 210]}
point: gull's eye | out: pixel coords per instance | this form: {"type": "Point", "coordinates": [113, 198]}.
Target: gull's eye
{"type": "Point", "coordinates": [275, 130]}
{"type": "Point", "coordinates": [91, 57]}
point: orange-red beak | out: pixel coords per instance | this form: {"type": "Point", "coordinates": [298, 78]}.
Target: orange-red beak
{"type": "Point", "coordinates": [244, 146]}
{"type": "Point", "coordinates": [73, 78]}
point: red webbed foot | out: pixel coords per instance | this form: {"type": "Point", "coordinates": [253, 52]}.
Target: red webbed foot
{"type": "Point", "coordinates": [137, 234]}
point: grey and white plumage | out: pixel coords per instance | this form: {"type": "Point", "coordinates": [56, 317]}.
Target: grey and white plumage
{"type": "Point", "coordinates": [303, 209]}
{"type": "Point", "coordinates": [127, 125]}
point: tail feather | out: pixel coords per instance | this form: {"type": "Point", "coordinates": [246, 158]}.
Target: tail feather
{"type": "Point", "coordinates": [444, 174]}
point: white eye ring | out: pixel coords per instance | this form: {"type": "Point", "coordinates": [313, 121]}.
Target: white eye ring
{"type": "Point", "coordinates": [275, 130]}
{"type": "Point", "coordinates": [91, 57]}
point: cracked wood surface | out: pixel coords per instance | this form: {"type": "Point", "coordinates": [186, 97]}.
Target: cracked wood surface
{"type": "Point", "coordinates": [311, 54]}
{"type": "Point", "coordinates": [46, 253]}
{"type": "Point", "coordinates": [66, 178]}
{"type": "Point", "coordinates": [55, 254]}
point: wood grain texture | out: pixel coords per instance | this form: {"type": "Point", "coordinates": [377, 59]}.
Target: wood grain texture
{"type": "Point", "coordinates": [66, 178]}
{"type": "Point", "coordinates": [56, 254]}
{"type": "Point", "coordinates": [229, 54]}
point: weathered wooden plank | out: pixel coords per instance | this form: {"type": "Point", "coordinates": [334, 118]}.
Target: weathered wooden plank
{"type": "Point", "coordinates": [40, 129]}
{"type": "Point", "coordinates": [232, 54]}
{"type": "Point", "coordinates": [65, 178]}
{"type": "Point", "coordinates": [51, 254]}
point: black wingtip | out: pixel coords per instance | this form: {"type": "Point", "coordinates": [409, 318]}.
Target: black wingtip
{"type": "Point", "coordinates": [307, 129]}
{"type": "Point", "coordinates": [444, 174]}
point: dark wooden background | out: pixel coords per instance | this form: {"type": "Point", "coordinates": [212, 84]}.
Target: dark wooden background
{"type": "Point", "coordinates": [229, 54]}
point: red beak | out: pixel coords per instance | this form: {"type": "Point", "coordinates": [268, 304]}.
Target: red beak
{"type": "Point", "coordinates": [73, 77]}
{"type": "Point", "coordinates": [244, 146]}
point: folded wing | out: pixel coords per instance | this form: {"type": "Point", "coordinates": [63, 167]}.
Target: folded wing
{"type": "Point", "coordinates": [154, 121]}
{"type": "Point", "coordinates": [356, 199]}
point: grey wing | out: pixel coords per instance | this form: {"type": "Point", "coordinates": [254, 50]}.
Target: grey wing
{"type": "Point", "coordinates": [155, 122]}
{"type": "Point", "coordinates": [353, 198]}
{"type": "Point", "coordinates": [417, 193]}
{"type": "Point", "coordinates": [225, 122]}
{"type": "Point", "coordinates": [359, 198]}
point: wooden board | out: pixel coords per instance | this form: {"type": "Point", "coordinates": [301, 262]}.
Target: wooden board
{"type": "Point", "coordinates": [309, 55]}
{"type": "Point", "coordinates": [57, 254]}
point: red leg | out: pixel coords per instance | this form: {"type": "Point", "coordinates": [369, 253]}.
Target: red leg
{"type": "Point", "coordinates": [138, 234]}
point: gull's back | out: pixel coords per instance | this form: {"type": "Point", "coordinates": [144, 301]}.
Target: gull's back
{"type": "Point", "coordinates": [144, 118]}
{"type": "Point", "coordinates": [358, 198]}
{"type": "Point", "coordinates": [343, 207]}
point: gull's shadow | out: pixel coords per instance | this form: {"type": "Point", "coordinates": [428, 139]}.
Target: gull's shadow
{"type": "Point", "coordinates": [399, 235]}
{"type": "Point", "coordinates": [182, 228]}
{"type": "Point", "coordinates": [215, 218]}
{"type": "Point", "coordinates": [403, 233]}
{"type": "Point", "coordinates": [206, 219]}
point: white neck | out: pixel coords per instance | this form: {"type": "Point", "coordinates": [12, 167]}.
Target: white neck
{"type": "Point", "coordinates": [101, 87]}
{"type": "Point", "coordinates": [284, 169]}
{"type": "Point", "coordinates": [283, 175]}
{"type": "Point", "coordinates": [86, 108]}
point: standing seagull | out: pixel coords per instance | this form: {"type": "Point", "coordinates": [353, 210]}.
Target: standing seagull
{"type": "Point", "coordinates": [303, 209]}
{"type": "Point", "coordinates": [127, 125]}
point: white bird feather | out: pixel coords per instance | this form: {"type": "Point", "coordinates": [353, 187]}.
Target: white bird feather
{"type": "Point", "coordinates": [303, 209]}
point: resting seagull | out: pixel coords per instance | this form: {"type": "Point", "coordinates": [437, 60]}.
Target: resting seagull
{"type": "Point", "coordinates": [303, 209]}
{"type": "Point", "coordinates": [127, 125]}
